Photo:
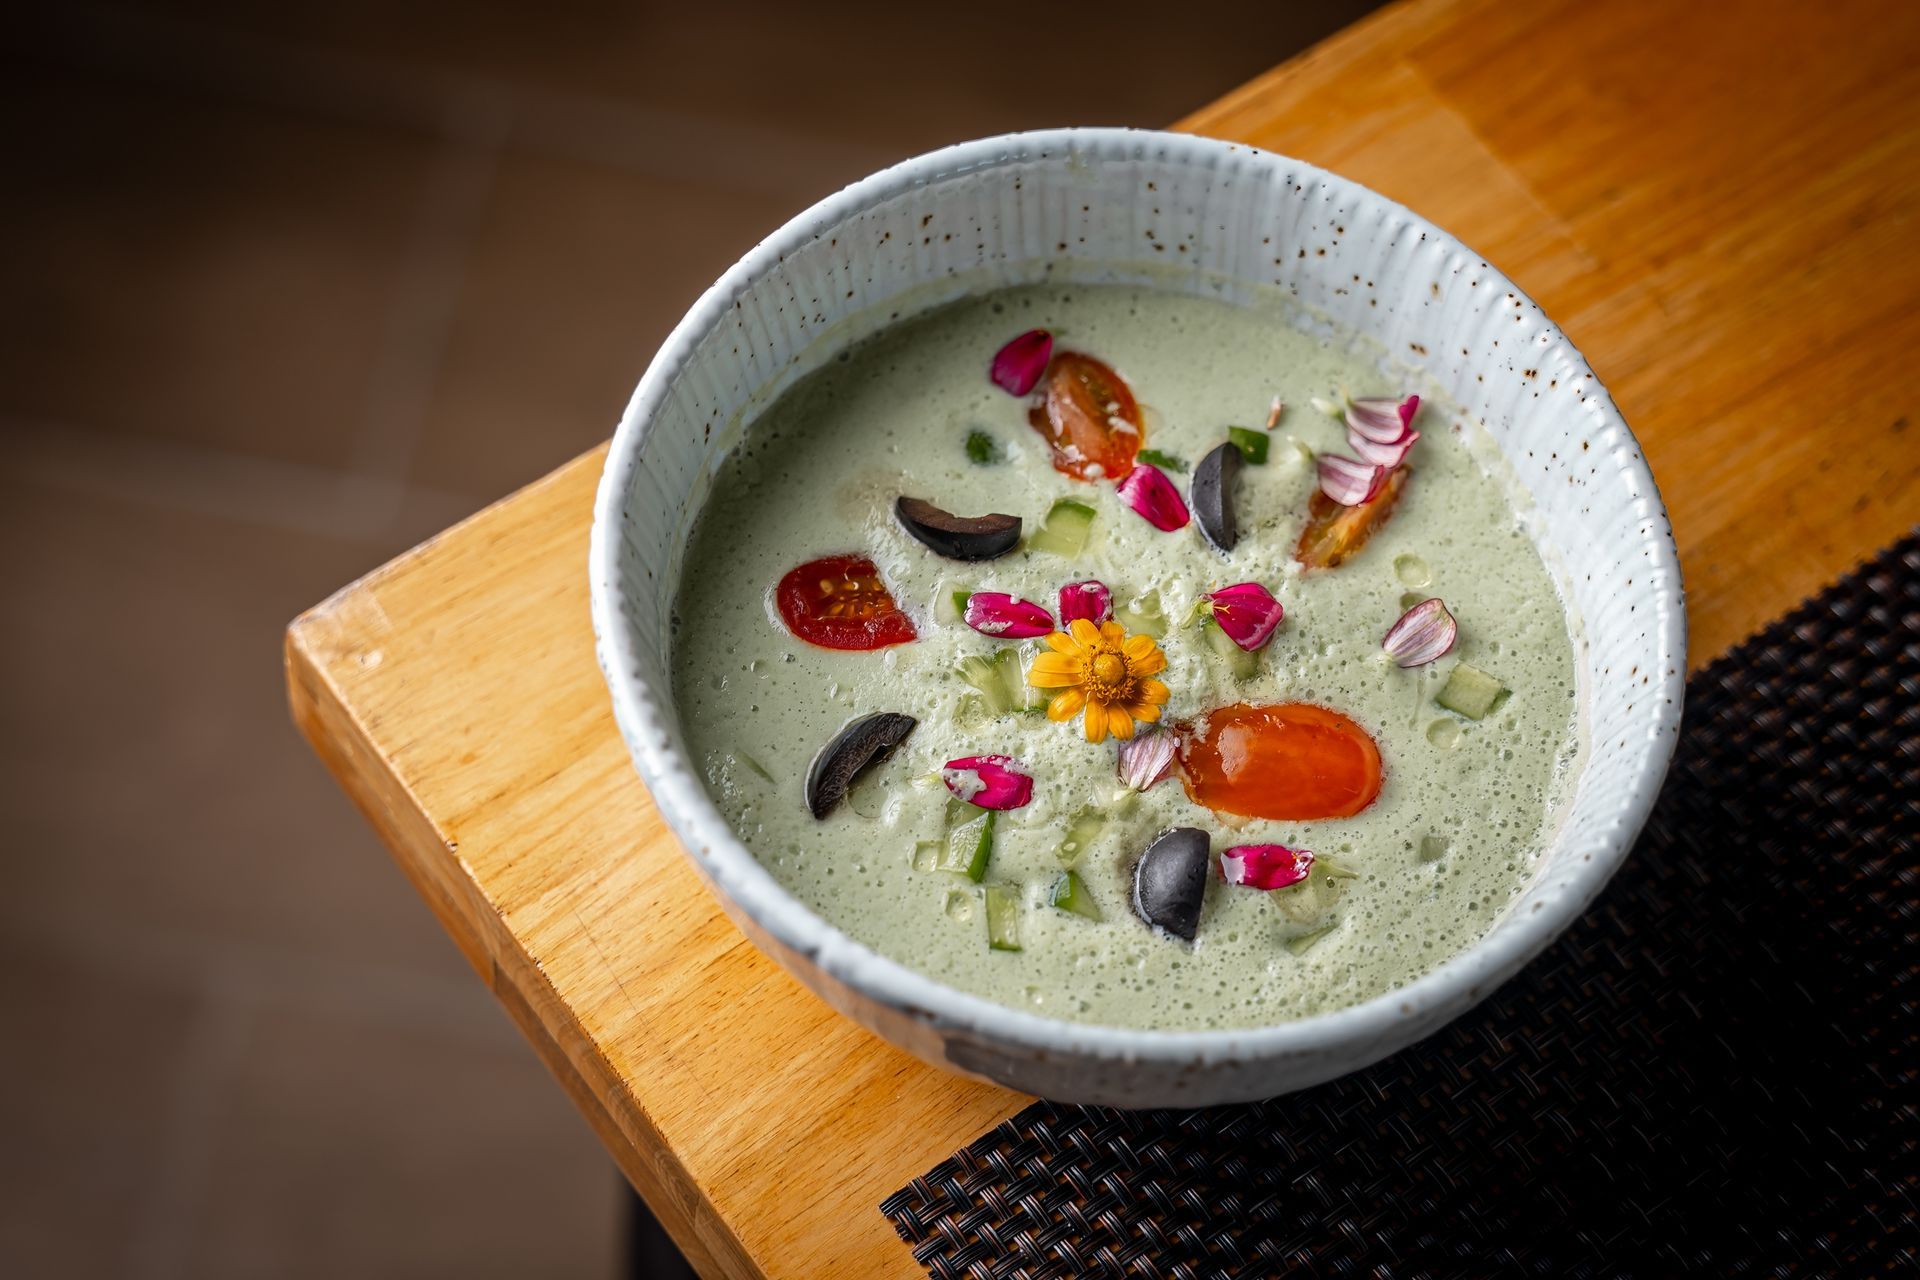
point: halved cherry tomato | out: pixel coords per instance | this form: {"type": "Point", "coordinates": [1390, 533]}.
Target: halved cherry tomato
{"type": "Point", "coordinates": [1085, 414]}
{"type": "Point", "coordinates": [1290, 761]}
{"type": "Point", "coordinates": [1334, 532]}
{"type": "Point", "coordinates": [839, 602]}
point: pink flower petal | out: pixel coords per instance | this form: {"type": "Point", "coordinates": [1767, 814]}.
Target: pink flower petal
{"type": "Point", "coordinates": [997, 614]}
{"type": "Point", "coordinates": [1265, 866]}
{"type": "Point", "coordinates": [1382, 419]}
{"type": "Point", "coordinates": [1146, 758]}
{"type": "Point", "coordinates": [1090, 600]}
{"type": "Point", "coordinates": [1381, 455]}
{"type": "Point", "coordinates": [1425, 632]}
{"type": "Point", "coordinates": [1019, 364]}
{"type": "Point", "coordinates": [1347, 482]}
{"type": "Point", "coordinates": [988, 782]}
{"type": "Point", "coordinates": [1148, 491]}
{"type": "Point", "coordinates": [1247, 612]}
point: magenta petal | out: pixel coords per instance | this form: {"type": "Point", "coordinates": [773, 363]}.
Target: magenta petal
{"type": "Point", "coordinates": [1090, 600]}
{"type": "Point", "coordinates": [1347, 482]}
{"type": "Point", "coordinates": [1247, 612]}
{"type": "Point", "coordinates": [988, 782]}
{"type": "Point", "coordinates": [1148, 491]}
{"type": "Point", "coordinates": [1146, 758]}
{"type": "Point", "coordinates": [1265, 866]}
{"type": "Point", "coordinates": [1381, 455]}
{"type": "Point", "coordinates": [1425, 632]}
{"type": "Point", "coordinates": [997, 614]}
{"type": "Point", "coordinates": [1019, 364]}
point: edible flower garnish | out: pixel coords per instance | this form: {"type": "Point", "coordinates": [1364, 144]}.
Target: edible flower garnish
{"type": "Point", "coordinates": [1350, 483]}
{"type": "Point", "coordinates": [1018, 366]}
{"type": "Point", "coordinates": [1382, 455]}
{"type": "Point", "coordinates": [997, 614]}
{"type": "Point", "coordinates": [1106, 673]}
{"type": "Point", "coordinates": [1425, 632]}
{"type": "Point", "coordinates": [1265, 866]}
{"type": "Point", "coordinates": [1148, 491]}
{"type": "Point", "coordinates": [1146, 759]}
{"type": "Point", "coordinates": [1090, 600]}
{"type": "Point", "coordinates": [1247, 612]}
{"type": "Point", "coordinates": [1381, 431]}
{"type": "Point", "coordinates": [988, 782]}
{"type": "Point", "coordinates": [1381, 419]}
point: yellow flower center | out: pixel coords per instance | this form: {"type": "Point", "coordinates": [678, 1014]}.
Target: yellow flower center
{"type": "Point", "coordinates": [1108, 679]}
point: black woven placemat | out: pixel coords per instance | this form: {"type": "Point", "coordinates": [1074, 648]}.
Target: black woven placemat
{"type": "Point", "coordinates": [1713, 1072]}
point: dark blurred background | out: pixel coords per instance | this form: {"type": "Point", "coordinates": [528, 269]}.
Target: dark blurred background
{"type": "Point", "coordinates": [287, 289]}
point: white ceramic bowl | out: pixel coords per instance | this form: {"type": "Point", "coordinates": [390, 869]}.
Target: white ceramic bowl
{"type": "Point", "coordinates": [1192, 215]}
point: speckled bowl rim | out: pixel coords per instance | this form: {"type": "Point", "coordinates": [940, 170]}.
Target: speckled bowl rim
{"type": "Point", "coordinates": [645, 718]}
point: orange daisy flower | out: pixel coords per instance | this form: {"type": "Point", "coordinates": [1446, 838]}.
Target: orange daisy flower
{"type": "Point", "coordinates": [1102, 671]}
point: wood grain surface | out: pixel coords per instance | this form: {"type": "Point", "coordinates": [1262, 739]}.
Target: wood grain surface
{"type": "Point", "coordinates": [1718, 204]}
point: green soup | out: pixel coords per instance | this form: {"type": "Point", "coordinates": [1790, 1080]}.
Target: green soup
{"type": "Point", "coordinates": [1465, 805]}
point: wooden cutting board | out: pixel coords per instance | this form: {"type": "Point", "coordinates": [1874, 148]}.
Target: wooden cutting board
{"type": "Point", "coordinates": [1718, 204]}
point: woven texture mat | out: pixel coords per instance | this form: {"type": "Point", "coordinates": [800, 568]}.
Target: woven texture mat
{"type": "Point", "coordinates": [1714, 1071]}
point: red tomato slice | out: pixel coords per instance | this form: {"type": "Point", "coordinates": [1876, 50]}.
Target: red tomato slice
{"type": "Point", "coordinates": [1334, 532]}
{"type": "Point", "coordinates": [1082, 402]}
{"type": "Point", "coordinates": [839, 602]}
{"type": "Point", "coordinates": [1290, 761]}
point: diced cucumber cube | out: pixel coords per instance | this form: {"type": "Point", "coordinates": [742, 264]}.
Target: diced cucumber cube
{"type": "Point", "coordinates": [1081, 832]}
{"type": "Point", "coordinates": [1143, 615]}
{"type": "Point", "coordinates": [984, 673]}
{"type": "Point", "coordinates": [1471, 692]}
{"type": "Point", "coordinates": [1003, 917]}
{"type": "Point", "coordinates": [949, 603]}
{"type": "Point", "coordinates": [1064, 532]}
{"type": "Point", "coordinates": [972, 712]}
{"type": "Point", "coordinates": [1240, 663]}
{"type": "Point", "coordinates": [969, 842]}
{"type": "Point", "coordinates": [1309, 901]}
{"type": "Point", "coordinates": [1333, 870]}
{"type": "Point", "coordinates": [1303, 943]}
{"type": "Point", "coordinates": [1014, 665]}
{"type": "Point", "coordinates": [1251, 444]}
{"type": "Point", "coordinates": [1433, 848]}
{"type": "Point", "coordinates": [1164, 461]}
{"type": "Point", "coordinates": [1069, 893]}
{"type": "Point", "coordinates": [1001, 678]}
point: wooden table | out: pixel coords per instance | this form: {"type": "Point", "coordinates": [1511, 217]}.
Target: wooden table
{"type": "Point", "coordinates": [1716, 201]}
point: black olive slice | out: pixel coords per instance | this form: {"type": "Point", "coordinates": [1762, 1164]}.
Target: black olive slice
{"type": "Point", "coordinates": [958, 537]}
{"type": "Point", "coordinates": [1212, 494]}
{"type": "Point", "coordinates": [865, 741]}
{"type": "Point", "coordinates": [1170, 881]}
